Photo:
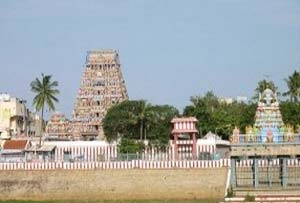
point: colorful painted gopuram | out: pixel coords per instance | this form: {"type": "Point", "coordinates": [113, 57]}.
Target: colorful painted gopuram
{"type": "Point", "coordinates": [267, 154]}
{"type": "Point", "coordinates": [268, 126]}
{"type": "Point", "coordinates": [102, 85]}
{"type": "Point", "coordinates": [58, 126]}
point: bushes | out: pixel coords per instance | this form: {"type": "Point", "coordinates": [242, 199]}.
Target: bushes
{"type": "Point", "coordinates": [249, 198]}
{"type": "Point", "coordinates": [230, 192]}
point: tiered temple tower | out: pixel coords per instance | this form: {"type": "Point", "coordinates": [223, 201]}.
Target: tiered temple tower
{"type": "Point", "coordinates": [266, 156]}
{"type": "Point", "coordinates": [268, 118]}
{"type": "Point", "coordinates": [102, 85]}
{"type": "Point", "coordinates": [268, 126]}
{"type": "Point", "coordinates": [58, 127]}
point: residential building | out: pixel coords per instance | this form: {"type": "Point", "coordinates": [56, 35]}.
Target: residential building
{"type": "Point", "coordinates": [227, 100]}
{"type": "Point", "coordinates": [241, 99]}
{"type": "Point", "coordinates": [16, 119]}
{"type": "Point", "coordinates": [14, 150]}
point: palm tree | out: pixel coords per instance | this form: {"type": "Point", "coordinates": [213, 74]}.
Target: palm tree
{"type": "Point", "coordinates": [293, 83]}
{"type": "Point", "coordinates": [140, 115]}
{"type": "Point", "coordinates": [46, 92]}
{"type": "Point", "coordinates": [262, 85]}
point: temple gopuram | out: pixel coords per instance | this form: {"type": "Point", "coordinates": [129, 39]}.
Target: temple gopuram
{"type": "Point", "coordinates": [268, 154]}
{"type": "Point", "coordinates": [102, 85]}
{"type": "Point", "coordinates": [58, 127]}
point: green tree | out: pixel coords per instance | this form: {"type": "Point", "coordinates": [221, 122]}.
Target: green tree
{"type": "Point", "coordinates": [45, 95]}
{"type": "Point", "coordinates": [290, 112]}
{"type": "Point", "coordinates": [130, 146]}
{"type": "Point", "coordinates": [293, 84]}
{"type": "Point", "coordinates": [246, 116]}
{"type": "Point", "coordinates": [141, 116]}
{"type": "Point", "coordinates": [137, 120]}
{"type": "Point", "coordinates": [219, 117]}
{"type": "Point", "coordinates": [121, 121]}
{"type": "Point", "coordinates": [203, 109]}
{"type": "Point", "coordinates": [159, 124]}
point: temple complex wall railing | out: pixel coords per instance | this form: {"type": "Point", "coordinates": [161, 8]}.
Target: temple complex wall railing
{"type": "Point", "coordinates": [110, 152]}
{"type": "Point", "coordinates": [280, 139]}
{"type": "Point", "coordinates": [144, 164]}
{"type": "Point", "coordinates": [81, 151]}
{"type": "Point", "coordinates": [267, 162]}
{"type": "Point", "coordinates": [116, 165]}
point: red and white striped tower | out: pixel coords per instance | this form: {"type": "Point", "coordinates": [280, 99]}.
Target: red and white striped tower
{"type": "Point", "coordinates": [184, 126]}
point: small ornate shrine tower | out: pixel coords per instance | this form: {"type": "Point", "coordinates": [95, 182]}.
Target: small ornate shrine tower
{"type": "Point", "coordinates": [184, 133]}
{"type": "Point", "coordinates": [267, 155]}
{"type": "Point", "coordinates": [58, 126]}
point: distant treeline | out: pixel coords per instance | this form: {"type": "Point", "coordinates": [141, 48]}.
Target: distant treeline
{"type": "Point", "coordinates": [132, 122]}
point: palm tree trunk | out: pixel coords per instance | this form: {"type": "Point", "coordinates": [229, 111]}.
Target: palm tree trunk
{"type": "Point", "coordinates": [141, 130]}
{"type": "Point", "coordinates": [42, 127]}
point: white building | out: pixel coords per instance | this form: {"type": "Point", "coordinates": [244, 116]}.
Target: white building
{"type": "Point", "coordinates": [16, 119]}
{"type": "Point", "coordinates": [241, 99]}
{"type": "Point", "coordinates": [227, 100]}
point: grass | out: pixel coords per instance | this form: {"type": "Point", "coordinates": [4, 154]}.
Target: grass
{"type": "Point", "coordinates": [110, 201]}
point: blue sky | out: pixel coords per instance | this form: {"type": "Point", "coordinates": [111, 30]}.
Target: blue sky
{"type": "Point", "coordinates": [169, 50]}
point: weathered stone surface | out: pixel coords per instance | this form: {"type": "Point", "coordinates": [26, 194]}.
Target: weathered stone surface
{"type": "Point", "coordinates": [114, 184]}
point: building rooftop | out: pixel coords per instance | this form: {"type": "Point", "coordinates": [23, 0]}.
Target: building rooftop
{"type": "Point", "coordinates": [76, 143]}
{"type": "Point", "coordinates": [15, 144]}
{"type": "Point", "coordinates": [184, 119]}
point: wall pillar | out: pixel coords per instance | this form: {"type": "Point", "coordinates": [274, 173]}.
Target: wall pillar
{"type": "Point", "coordinates": [255, 172]}
{"type": "Point", "coordinates": [268, 173]}
{"type": "Point", "coordinates": [283, 171]}
{"type": "Point", "coordinates": [176, 146]}
{"type": "Point", "coordinates": [233, 172]}
{"type": "Point", "coordinates": [194, 146]}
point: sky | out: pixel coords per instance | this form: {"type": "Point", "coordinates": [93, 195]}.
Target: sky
{"type": "Point", "coordinates": [169, 50]}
